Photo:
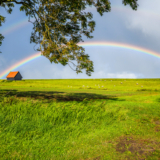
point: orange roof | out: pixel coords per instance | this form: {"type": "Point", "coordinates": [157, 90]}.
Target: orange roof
{"type": "Point", "coordinates": [12, 74]}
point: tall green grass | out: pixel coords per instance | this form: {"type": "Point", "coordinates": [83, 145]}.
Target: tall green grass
{"type": "Point", "coordinates": [37, 123]}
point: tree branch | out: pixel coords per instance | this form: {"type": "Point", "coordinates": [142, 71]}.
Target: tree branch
{"type": "Point", "coordinates": [13, 1]}
{"type": "Point", "coordinates": [71, 67]}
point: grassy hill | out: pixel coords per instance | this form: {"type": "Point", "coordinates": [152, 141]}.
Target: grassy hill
{"type": "Point", "coordinates": [89, 119]}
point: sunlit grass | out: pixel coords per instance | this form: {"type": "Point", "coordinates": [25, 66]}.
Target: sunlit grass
{"type": "Point", "coordinates": [46, 119]}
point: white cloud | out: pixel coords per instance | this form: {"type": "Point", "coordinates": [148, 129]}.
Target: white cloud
{"type": "Point", "coordinates": [102, 74]}
{"type": "Point", "coordinates": [59, 72]}
{"type": "Point", "coordinates": [146, 18]}
{"type": "Point", "coordinates": [148, 25]}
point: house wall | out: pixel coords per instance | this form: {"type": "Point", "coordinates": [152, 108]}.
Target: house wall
{"type": "Point", "coordinates": [10, 79]}
{"type": "Point", "coordinates": [18, 76]}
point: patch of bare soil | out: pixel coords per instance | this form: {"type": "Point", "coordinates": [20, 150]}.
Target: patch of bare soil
{"type": "Point", "coordinates": [157, 122]}
{"type": "Point", "coordinates": [157, 125]}
{"type": "Point", "coordinates": [95, 158]}
{"type": "Point", "coordinates": [139, 148]}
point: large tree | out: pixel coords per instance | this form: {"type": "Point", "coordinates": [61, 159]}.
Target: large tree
{"type": "Point", "coordinates": [58, 27]}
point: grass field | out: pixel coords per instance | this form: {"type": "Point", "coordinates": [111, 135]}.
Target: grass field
{"type": "Point", "coordinates": [83, 119]}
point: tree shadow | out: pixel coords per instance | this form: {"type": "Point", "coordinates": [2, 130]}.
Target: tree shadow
{"type": "Point", "coordinates": [7, 81]}
{"type": "Point", "coordinates": [5, 92]}
{"type": "Point", "coordinates": [145, 89]}
{"type": "Point", "coordinates": [49, 96]}
{"type": "Point", "coordinates": [158, 99]}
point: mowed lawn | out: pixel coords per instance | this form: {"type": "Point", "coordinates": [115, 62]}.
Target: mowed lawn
{"type": "Point", "coordinates": [80, 119]}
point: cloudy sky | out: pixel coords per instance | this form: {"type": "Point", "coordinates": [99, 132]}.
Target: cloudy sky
{"type": "Point", "coordinates": [122, 25]}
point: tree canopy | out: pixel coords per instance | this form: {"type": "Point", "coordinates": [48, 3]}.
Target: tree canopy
{"type": "Point", "coordinates": [59, 26]}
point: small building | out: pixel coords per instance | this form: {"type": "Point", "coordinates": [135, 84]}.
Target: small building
{"type": "Point", "coordinates": [14, 76]}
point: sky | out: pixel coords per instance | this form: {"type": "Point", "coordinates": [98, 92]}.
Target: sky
{"type": "Point", "coordinates": [120, 26]}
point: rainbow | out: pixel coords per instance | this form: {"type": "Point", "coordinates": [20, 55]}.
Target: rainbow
{"type": "Point", "coordinates": [121, 45]}
{"type": "Point", "coordinates": [14, 26]}
{"type": "Point", "coordinates": [20, 63]}
{"type": "Point", "coordinates": [90, 44]}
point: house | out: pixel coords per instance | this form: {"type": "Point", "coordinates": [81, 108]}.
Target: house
{"type": "Point", "coordinates": [14, 76]}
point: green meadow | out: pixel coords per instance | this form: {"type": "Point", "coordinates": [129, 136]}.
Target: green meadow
{"type": "Point", "coordinates": [80, 119]}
